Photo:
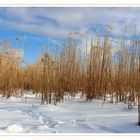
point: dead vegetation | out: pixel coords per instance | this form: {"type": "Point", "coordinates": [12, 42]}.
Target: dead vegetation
{"type": "Point", "coordinates": [98, 73]}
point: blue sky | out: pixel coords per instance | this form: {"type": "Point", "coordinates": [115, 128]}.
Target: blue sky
{"type": "Point", "coordinates": [42, 26]}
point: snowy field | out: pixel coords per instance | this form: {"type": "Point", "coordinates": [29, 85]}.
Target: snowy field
{"type": "Point", "coordinates": [26, 115]}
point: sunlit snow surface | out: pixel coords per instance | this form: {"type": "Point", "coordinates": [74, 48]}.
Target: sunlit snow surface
{"type": "Point", "coordinates": [26, 115]}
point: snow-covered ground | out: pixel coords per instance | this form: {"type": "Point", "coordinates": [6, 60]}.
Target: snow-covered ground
{"type": "Point", "coordinates": [20, 115]}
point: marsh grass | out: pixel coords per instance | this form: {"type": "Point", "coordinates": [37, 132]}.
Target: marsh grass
{"type": "Point", "coordinates": [97, 74]}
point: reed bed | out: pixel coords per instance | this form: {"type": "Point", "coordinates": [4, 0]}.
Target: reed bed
{"type": "Point", "coordinates": [99, 73]}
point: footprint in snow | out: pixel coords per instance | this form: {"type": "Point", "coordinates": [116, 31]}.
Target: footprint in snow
{"type": "Point", "coordinates": [41, 120]}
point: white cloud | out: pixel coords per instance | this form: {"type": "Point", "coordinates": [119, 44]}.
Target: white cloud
{"type": "Point", "coordinates": [57, 22]}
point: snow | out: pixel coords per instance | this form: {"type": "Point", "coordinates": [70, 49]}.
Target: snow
{"type": "Point", "coordinates": [73, 115]}
{"type": "Point", "coordinates": [15, 128]}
